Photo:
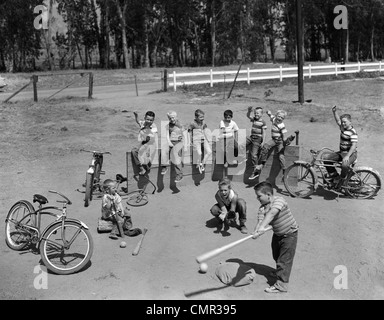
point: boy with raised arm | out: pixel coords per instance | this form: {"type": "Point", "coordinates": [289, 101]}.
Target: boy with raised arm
{"type": "Point", "coordinates": [347, 153]}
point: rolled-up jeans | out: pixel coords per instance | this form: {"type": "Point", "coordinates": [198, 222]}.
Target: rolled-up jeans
{"type": "Point", "coordinates": [283, 252]}
{"type": "Point", "coordinates": [338, 156]}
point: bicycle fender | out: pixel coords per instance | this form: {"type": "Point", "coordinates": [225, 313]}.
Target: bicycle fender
{"type": "Point", "coordinates": [59, 223]}
{"type": "Point", "coordinates": [369, 169]}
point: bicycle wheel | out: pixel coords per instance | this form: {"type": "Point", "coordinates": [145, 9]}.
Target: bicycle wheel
{"type": "Point", "coordinates": [137, 198]}
{"type": "Point", "coordinates": [17, 237]}
{"type": "Point", "coordinates": [61, 260]}
{"type": "Point", "coordinates": [299, 180]}
{"type": "Point", "coordinates": [88, 189]}
{"type": "Point", "coordinates": [363, 184]}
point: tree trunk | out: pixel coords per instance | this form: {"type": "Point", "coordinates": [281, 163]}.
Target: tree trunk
{"type": "Point", "coordinates": [213, 33]}
{"type": "Point", "coordinates": [99, 34]}
{"type": "Point", "coordinates": [146, 43]}
{"type": "Point", "coordinates": [372, 43]}
{"type": "Point", "coordinates": [122, 12]}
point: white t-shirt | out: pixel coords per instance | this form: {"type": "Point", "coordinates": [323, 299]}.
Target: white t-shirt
{"type": "Point", "coordinates": [147, 132]}
{"type": "Point", "coordinates": [228, 129]}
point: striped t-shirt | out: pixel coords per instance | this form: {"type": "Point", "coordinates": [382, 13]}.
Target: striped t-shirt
{"type": "Point", "coordinates": [347, 137]}
{"type": "Point", "coordinates": [277, 129]}
{"type": "Point", "coordinates": [257, 127]}
{"type": "Point", "coordinates": [283, 222]}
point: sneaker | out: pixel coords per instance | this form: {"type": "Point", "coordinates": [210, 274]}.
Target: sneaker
{"type": "Point", "coordinates": [113, 236]}
{"type": "Point", "coordinates": [243, 229]}
{"type": "Point", "coordinates": [235, 163]}
{"type": "Point", "coordinates": [164, 170]}
{"type": "Point", "coordinates": [179, 178]}
{"type": "Point", "coordinates": [254, 175]}
{"type": "Point", "coordinates": [202, 167]}
{"type": "Point", "coordinates": [272, 289]}
{"type": "Point", "coordinates": [289, 140]}
{"type": "Point", "coordinates": [226, 165]}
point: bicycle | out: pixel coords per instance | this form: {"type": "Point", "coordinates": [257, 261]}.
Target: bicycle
{"type": "Point", "coordinates": [138, 197]}
{"type": "Point", "coordinates": [65, 245]}
{"type": "Point", "coordinates": [92, 180]}
{"type": "Point", "coordinates": [301, 179]}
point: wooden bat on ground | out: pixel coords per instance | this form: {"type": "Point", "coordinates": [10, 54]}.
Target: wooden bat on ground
{"type": "Point", "coordinates": [213, 253]}
{"type": "Point", "coordinates": [135, 252]}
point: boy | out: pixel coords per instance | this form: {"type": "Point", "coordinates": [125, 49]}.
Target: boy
{"type": "Point", "coordinates": [147, 141]}
{"type": "Point", "coordinates": [257, 137]}
{"type": "Point", "coordinates": [229, 137]}
{"type": "Point", "coordinates": [348, 148]}
{"type": "Point", "coordinates": [274, 211]}
{"type": "Point", "coordinates": [112, 210]}
{"type": "Point", "coordinates": [278, 131]}
{"type": "Point", "coordinates": [198, 136]}
{"type": "Point", "coordinates": [228, 203]}
{"type": "Point", "coordinates": [174, 144]}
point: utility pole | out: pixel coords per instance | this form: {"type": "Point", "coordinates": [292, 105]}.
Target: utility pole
{"type": "Point", "coordinates": [300, 60]}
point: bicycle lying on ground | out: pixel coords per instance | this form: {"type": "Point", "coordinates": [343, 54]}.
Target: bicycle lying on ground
{"type": "Point", "coordinates": [138, 197]}
{"type": "Point", "coordinates": [92, 180]}
{"type": "Point", "coordinates": [65, 245]}
{"type": "Point", "coordinates": [302, 178]}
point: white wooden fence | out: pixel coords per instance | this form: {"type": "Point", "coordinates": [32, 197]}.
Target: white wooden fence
{"type": "Point", "coordinates": [281, 73]}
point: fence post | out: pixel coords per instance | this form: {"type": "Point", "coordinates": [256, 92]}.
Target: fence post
{"type": "Point", "coordinates": [310, 71]}
{"type": "Point", "coordinates": [359, 67]}
{"type": "Point", "coordinates": [380, 66]}
{"type": "Point", "coordinates": [174, 81]}
{"type": "Point", "coordinates": [211, 78]}
{"type": "Point", "coordinates": [336, 73]}
{"type": "Point", "coordinates": [281, 73]}
{"type": "Point", "coordinates": [165, 80]}
{"type": "Point", "coordinates": [35, 79]}
{"type": "Point", "coordinates": [90, 90]}
{"type": "Point", "coordinates": [248, 76]}
{"type": "Point", "coordinates": [137, 90]}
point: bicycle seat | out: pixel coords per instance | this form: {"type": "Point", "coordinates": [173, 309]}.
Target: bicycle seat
{"type": "Point", "coordinates": [40, 199]}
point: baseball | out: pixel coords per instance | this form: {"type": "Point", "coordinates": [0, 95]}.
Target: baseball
{"type": "Point", "coordinates": [203, 267]}
{"type": "Point", "coordinates": [123, 244]}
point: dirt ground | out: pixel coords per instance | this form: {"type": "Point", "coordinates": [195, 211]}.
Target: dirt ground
{"type": "Point", "coordinates": [39, 151]}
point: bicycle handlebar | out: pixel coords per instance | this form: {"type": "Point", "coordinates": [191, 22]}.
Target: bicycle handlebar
{"type": "Point", "coordinates": [67, 200]}
{"type": "Point", "coordinates": [95, 152]}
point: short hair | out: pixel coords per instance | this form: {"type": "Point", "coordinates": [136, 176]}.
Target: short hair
{"type": "Point", "coordinates": [282, 112]}
{"type": "Point", "coordinates": [199, 112]}
{"type": "Point", "coordinates": [228, 113]}
{"type": "Point", "coordinates": [108, 183]}
{"type": "Point", "coordinates": [264, 187]}
{"type": "Point", "coordinates": [172, 113]}
{"type": "Point", "coordinates": [346, 116]}
{"type": "Point", "coordinates": [150, 114]}
{"type": "Point", "coordinates": [259, 108]}
{"type": "Point", "coordinates": [225, 182]}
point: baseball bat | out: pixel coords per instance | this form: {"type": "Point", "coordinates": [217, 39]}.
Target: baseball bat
{"type": "Point", "coordinates": [135, 252]}
{"type": "Point", "coordinates": [215, 252]}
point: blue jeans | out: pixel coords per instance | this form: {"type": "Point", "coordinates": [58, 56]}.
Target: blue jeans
{"type": "Point", "coordinates": [254, 146]}
{"type": "Point", "coordinates": [338, 156]}
{"type": "Point", "coordinates": [283, 252]}
{"type": "Point", "coordinates": [268, 148]}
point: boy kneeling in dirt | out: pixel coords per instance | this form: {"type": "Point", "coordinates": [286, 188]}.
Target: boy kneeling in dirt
{"type": "Point", "coordinates": [112, 210]}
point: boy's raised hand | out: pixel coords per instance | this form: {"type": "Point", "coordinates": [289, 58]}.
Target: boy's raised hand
{"type": "Point", "coordinates": [269, 113]}
{"type": "Point", "coordinates": [334, 109]}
